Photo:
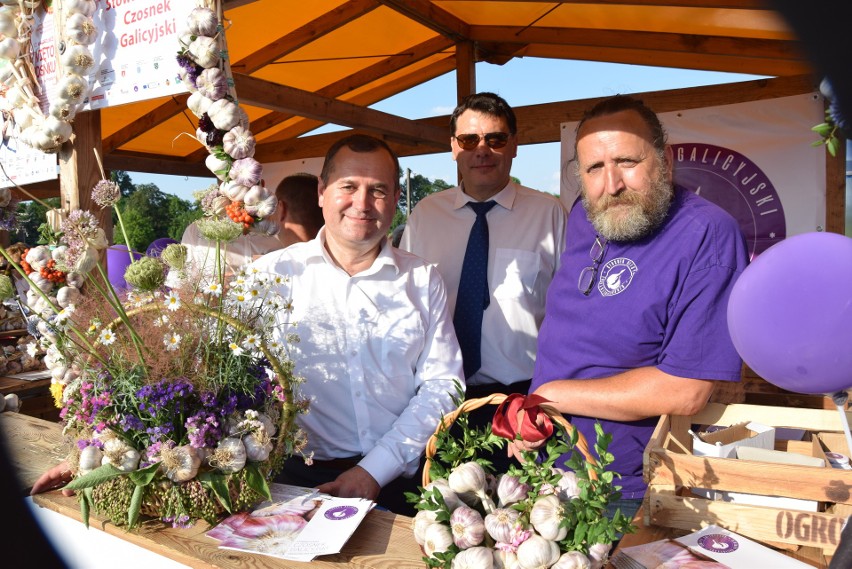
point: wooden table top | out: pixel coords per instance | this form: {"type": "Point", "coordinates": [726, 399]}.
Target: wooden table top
{"type": "Point", "coordinates": [382, 541]}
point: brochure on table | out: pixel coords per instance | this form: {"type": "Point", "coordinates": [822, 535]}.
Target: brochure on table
{"type": "Point", "coordinates": [298, 524]}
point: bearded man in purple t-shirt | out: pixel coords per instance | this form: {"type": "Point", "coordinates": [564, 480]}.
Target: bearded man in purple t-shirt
{"type": "Point", "coordinates": [635, 319]}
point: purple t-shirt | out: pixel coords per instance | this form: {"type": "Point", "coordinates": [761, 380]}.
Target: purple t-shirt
{"type": "Point", "coordinates": [660, 301]}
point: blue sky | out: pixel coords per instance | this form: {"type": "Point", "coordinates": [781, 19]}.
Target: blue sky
{"type": "Point", "coordinates": [521, 81]}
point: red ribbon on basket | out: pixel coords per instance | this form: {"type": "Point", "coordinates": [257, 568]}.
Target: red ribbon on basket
{"type": "Point", "coordinates": [535, 425]}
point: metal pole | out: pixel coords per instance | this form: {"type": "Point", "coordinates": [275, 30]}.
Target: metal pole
{"type": "Point", "coordinates": [407, 192]}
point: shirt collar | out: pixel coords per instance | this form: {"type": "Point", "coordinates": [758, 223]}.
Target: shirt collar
{"type": "Point", "coordinates": [318, 253]}
{"type": "Point", "coordinates": [505, 197]}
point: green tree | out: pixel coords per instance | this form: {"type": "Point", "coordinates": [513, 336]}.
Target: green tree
{"type": "Point", "coordinates": [149, 214]}
{"type": "Point", "coordinates": [31, 215]}
{"type": "Point", "coordinates": [421, 186]}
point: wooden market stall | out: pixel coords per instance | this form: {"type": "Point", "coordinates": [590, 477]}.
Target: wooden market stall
{"type": "Point", "coordinates": [327, 61]}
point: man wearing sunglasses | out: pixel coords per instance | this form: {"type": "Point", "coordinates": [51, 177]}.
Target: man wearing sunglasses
{"type": "Point", "coordinates": [525, 233]}
{"type": "Point", "coordinates": [636, 325]}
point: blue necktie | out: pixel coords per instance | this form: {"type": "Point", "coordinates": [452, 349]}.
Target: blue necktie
{"type": "Point", "coordinates": [473, 296]}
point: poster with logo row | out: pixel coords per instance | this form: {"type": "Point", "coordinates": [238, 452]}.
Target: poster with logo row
{"type": "Point", "coordinates": [135, 61]}
{"type": "Point", "coordinates": [753, 159]}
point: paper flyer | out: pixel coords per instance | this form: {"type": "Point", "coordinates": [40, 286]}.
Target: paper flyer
{"type": "Point", "coordinates": [298, 524]}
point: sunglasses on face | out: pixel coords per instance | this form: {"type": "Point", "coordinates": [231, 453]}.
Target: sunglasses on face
{"type": "Point", "coordinates": [492, 139]}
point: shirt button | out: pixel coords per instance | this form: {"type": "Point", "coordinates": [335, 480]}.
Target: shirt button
{"type": "Point", "coordinates": [357, 394]}
{"type": "Point", "coordinates": [353, 353]}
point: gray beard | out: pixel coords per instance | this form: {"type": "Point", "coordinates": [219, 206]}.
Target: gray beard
{"type": "Point", "coordinates": [637, 215]}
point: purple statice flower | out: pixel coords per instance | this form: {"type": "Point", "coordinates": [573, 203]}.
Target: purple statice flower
{"type": "Point", "coordinates": [189, 69]}
{"type": "Point", "coordinates": [91, 403]}
{"type": "Point", "coordinates": [159, 432]}
{"type": "Point", "coordinates": [203, 429]}
{"type": "Point", "coordinates": [167, 396]}
{"type": "Point", "coordinates": [182, 521]}
{"type": "Point", "coordinates": [130, 423]}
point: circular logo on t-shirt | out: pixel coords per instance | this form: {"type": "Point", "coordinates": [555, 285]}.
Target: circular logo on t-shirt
{"type": "Point", "coordinates": [718, 543]}
{"type": "Point", "coordinates": [341, 512]}
{"type": "Point", "coordinates": [737, 185]}
{"type": "Point", "coordinates": [616, 276]}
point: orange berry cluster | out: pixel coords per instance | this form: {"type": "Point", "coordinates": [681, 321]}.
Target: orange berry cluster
{"type": "Point", "coordinates": [51, 273]}
{"type": "Point", "coordinates": [24, 265]}
{"type": "Point", "coordinates": [238, 214]}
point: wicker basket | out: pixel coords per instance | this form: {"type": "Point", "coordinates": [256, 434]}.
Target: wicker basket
{"type": "Point", "coordinates": [496, 399]}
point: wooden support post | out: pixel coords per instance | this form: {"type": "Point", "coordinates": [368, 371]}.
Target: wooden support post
{"type": "Point", "coordinates": [78, 169]}
{"type": "Point", "coordinates": [465, 74]}
{"type": "Point", "coordinates": [835, 190]}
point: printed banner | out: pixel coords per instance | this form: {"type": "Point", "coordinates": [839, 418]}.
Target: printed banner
{"type": "Point", "coordinates": [25, 165]}
{"type": "Point", "coordinates": [753, 159]}
{"type": "Point", "coordinates": [136, 51]}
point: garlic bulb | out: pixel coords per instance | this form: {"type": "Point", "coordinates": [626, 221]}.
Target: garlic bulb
{"type": "Point", "coordinates": [72, 89]}
{"type": "Point", "coordinates": [81, 29]}
{"type": "Point", "coordinates": [78, 59]}
{"type": "Point", "coordinates": [473, 558]}
{"type": "Point", "coordinates": [537, 553]}
{"type": "Point", "coordinates": [505, 560]}
{"type": "Point", "coordinates": [202, 22]}
{"type": "Point", "coordinates": [90, 459]}
{"type": "Point", "coordinates": [12, 402]}
{"type": "Point", "coordinates": [219, 166]}
{"type": "Point", "coordinates": [212, 83]}
{"type": "Point", "coordinates": [234, 191]}
{"type": "Point", "coordinates": [179, 464]}
{"type": "Point", "coordinates": [573, 560]}
{"type": "Point", "coordinates": [258, 446]}
{"type": "Point", "coordinates": [121, 455]}
{"type": "Point", "coordinates": [9, 48]}
{"type": "Point", "coordinates": [224, 114]}
{"type": "Point", "coordinates": [451, 499]}
{"type": "Point", "coordinates": [205, 51]}
{"type": "Point", "coordinates": [266, 207]}
{"type": "Point", "coordinates": [266, 227]}
{"type": "Point", "coordinates": [85, 7]}
{"type": "Point", "coordinates": [546, 518]}
{"type": "Point", "coordinates": [422, 520]}
{"type": "Point", "coordinates": [67, 296]}
{"type": "Point", "coordinates": [568, 487]}
{"type": "Point", "coordinates": [467, 527]}
{"type": "Point", "coordinates": [229, 456]}
{"type": "Point", "coordinates": [599, 554]}
{"type": "Point", "coordinates": [510, 490]}
{"type": "Point", "coordinates": [246, 171]}
{"type": "Point", "coordinates": [437, 539]}
{"type": "Point", "coordinates": [238, 143]}
{"type": "Point", "coordinates": [501, 524]}
{"type": "Point", "coordinates": [198, 104]}
{"type": "Point", "coordinates": [467, 477]}
{"type": "Point", "coordinates": [254, 195]}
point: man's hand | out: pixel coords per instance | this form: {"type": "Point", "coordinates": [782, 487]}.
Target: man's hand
{"type": "Point", "coordinates": [53, 479]}
{"type": "Point", "coordinates": [353, 483]}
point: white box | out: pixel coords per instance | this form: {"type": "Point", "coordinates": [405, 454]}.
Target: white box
{"type": "Point", "coordinates": [723, 443]}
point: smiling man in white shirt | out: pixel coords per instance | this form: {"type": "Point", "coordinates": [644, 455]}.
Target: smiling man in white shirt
{"type": "Point", "coordinates": [376, 344]}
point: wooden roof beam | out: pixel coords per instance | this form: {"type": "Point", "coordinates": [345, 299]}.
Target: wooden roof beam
{"type": "Point", "coordinates": [172, 106]}
{"type": "Point", "coordinates": [717, 4]}
{"type": "Point", "coordinates": [431, 16]}
{"type": "Point", "coordinates": [688, 43]}
{"type": "Point", "coordinates": [302, 36]}
{"type": "Point", "coordinates": [366, 76]}
{"type": "Point", "coordinates": [541, 123]}
{"type": "Point", "coordinates": [280, 98]}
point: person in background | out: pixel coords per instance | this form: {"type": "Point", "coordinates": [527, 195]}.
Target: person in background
{"type": "Point", "coordinates": [636, 322]}
{"type": "Point", "coordinates": [376, 345]}
{"type": "Point", "coordinates": [299, 218]}
{"type": "Point", "coordinates": [496, 318]}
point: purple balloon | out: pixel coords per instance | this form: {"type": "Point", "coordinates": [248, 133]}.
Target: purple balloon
{"type": "Point", "coordinates": [790, 314]}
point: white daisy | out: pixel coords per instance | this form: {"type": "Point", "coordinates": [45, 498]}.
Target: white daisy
{"type": "Point", "coordinates": [107, 337]}
{"type": "Point", "coordinates": [172, 301]}
{"type": "Point", "coordinates": [32, 349]}
{"type": "Point", "coordinates": [251, 342]}
{"type": "Point", "coordinates": [171, 341]}
{"type": "Point", "coordinates": [213, 288]}
{"type": "Point", "coordinates": [235, 348]}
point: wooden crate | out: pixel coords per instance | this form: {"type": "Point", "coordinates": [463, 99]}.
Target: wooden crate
{"type": "Point", "coordinates": [671, 471]}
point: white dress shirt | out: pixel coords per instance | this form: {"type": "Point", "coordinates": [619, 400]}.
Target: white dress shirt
{"type": "Point", "coordinates": [201, 253]}
{"type": "Point", "coordinates": [377, 351]}
{"type": "Point", "coordinates": [526, 239]}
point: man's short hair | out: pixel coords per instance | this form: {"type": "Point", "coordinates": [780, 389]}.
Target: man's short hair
{"type": "Point", "coordinates": [358, 143]}
{"type": "Point", "coordinates": [299, 193]}
{"type": "Point", "coordinates": [618, 103]}
{"type": "Point", "coordinates": [487, 104]}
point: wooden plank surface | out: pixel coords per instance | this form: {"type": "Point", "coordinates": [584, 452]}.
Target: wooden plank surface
{"type": "Point", "coordinates": [382, 541]}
